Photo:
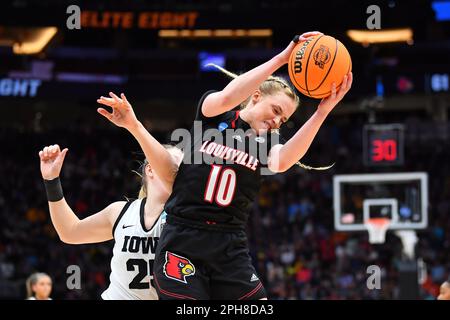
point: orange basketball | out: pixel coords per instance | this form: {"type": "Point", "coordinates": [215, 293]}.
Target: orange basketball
{"type": "Point", "coordinates": [316, 63]}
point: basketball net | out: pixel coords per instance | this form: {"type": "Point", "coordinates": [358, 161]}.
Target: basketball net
{"type": "Point", "coordinates": [409, 240]}
{"type": "Point", "coordinates": [377, 228]}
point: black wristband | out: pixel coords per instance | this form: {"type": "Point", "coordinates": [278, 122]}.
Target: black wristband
{"type": "Point", "coordinates": [53, 189]}
{"type": "Point", "coordinates": [296, 39]}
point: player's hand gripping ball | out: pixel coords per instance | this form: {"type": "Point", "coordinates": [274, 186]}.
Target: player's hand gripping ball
{"type": "Point", "coordinates": [316, 63]}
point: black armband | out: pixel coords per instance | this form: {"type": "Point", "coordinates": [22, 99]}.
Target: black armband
{"type": "Point", "coordinates": [53, 189]}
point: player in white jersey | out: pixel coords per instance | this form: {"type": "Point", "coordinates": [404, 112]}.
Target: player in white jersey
{"type": "Point", "coordinates": [133, 254]}
{"type": "Point", "coordinates": [134, 226]}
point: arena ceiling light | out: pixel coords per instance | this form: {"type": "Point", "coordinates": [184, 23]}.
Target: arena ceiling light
{"type": "Point", "coordinates": [26, 40]}
{"type": "Point", "coordinates": [367, 37]}
{"type": "Point", "coordinates": [215, 33]}
{"type": "Point", "coordinates": [35, 40]}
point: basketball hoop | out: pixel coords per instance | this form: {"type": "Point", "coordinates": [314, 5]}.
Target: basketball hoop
{"type": "Point", "coordinates": [377, 228]}
{"type": "Point", "coordinates": [409, 240]}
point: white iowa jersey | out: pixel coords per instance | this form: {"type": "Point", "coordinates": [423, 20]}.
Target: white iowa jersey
{"type": "Point", "coordinates": [133, 255]}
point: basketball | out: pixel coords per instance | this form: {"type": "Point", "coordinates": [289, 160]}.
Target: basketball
{"type": "Point", "coordinates": [316, 63]}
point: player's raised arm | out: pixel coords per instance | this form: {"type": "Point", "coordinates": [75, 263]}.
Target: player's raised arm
{"type": "Point", "coordinates": [282, 157]}
{"type": "Point", "coordinates": [247, 83]}
{"type": "Point", "coordinates": [155, 153]}
{"type": "Point", "coordinates": [95, 228]}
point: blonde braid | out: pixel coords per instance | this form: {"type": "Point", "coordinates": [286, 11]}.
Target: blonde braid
{"type": "Point", "coordinates": [304, 166]}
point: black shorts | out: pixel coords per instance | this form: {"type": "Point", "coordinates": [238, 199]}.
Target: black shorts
{"type": "Point", "coordinates": [192, 263]}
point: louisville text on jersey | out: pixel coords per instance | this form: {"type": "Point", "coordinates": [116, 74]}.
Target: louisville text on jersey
{"type": "Point", "coordinates": [230, 154]}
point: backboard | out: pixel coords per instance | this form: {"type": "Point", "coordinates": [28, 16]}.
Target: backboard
{"type": "Point", "coordinates": [400, 197]}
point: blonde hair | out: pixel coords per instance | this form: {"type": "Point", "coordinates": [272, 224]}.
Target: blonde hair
{"type": "Point", "coordinates": [143, 191]}
{"type": "Point", "coordinates": [32, 280]}
{"type": "Point", "coordinates": [271, 86]}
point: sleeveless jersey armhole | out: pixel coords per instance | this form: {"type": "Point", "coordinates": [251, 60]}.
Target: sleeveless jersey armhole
{"type": "Point", "coordinates": [124, 209]}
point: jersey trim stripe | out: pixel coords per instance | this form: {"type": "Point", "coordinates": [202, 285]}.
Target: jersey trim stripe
{"type": "Point", "coordinates": [251, 293]}
{"type": "Point", "coordinates": [142, 215]}
{"type": "Point", "coordinates": [233, 123]}
{"type": "Point", "coordinates": [125, 208]}
{"type": "Point", "coordinates": [171, 294]}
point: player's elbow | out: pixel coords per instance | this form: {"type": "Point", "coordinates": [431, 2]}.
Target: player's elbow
{"type": "Point", "coordinates": [215, 103]}
{"type": "Point", "coordinates": [278, 165]}
{"type": "Point", "coordinates": [278, 161]}
{"type": "Point", "coordinates": [282, 167]}
{"type": "Point", "coordinates": [67, 239]}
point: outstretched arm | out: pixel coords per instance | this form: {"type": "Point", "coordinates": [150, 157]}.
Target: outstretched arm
{"type": "Point", "coordinates": [157, 156]}
{"type": "Point", "coordinates": [247, 83]}
{"type": "Point", "coordinates": [72, 230]}
{"type": "Point", "coordinates": [282, 157]}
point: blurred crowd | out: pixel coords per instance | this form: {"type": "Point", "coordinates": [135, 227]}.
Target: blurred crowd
{"type": "Point", "coordinates": [293, 243]}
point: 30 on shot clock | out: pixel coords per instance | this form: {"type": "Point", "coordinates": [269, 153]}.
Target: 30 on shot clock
{"type": "Point", "coordinates": [383, 144]}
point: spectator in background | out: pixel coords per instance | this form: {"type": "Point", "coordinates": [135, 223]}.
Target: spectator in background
{"type": "Point", "coordinates": [445, 291]}
{"type": "Point", "coordinates": [39, 286]}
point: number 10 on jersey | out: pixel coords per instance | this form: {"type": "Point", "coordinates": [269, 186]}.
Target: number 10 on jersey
{"type": "Point", "coordinates": [220, 186]}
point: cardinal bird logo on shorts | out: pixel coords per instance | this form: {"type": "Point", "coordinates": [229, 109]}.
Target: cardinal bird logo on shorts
{"type": "Point", "coordinates": [178, 267]}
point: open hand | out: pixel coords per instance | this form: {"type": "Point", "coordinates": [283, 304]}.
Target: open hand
{"type": "Point", "coordinates": [122, 114]}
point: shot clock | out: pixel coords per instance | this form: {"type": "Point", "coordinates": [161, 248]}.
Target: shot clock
{"type": "Point", "coordinates": [383, 145]}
